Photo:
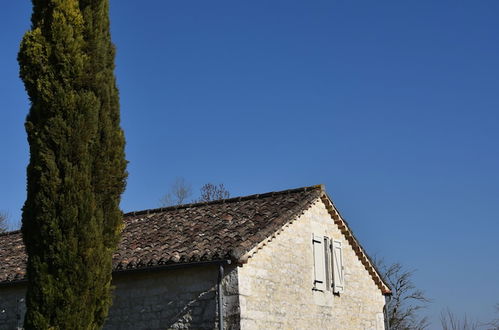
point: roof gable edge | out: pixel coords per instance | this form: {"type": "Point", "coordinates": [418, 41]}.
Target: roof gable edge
{"type": "Point", "coordinates": [357, 247]}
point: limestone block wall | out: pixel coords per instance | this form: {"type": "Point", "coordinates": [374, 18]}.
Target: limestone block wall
{"type": "Point", "coordinates": [12, 307]}
{"type": "Point", "coordinates": [184, 298]}
{"type": "Point", "coordinates": [276, 285]}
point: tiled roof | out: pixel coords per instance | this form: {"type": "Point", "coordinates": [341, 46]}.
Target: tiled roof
{"type": "Point", "coordinates": [213, 231]}
{"type": "Point", "coordinates": [12, 257]}
{"type": "Point", "coordinates": [218, 230]}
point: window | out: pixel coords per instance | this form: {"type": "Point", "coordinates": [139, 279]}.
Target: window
{"type": "Point", "coordinates": [328, 264]}
{"type": "Point", "coordinates": [328, 260]}
{"type": "Point", "coordinates": [338, 274]}
{"type": "Point", "coordinates": [319, 269]}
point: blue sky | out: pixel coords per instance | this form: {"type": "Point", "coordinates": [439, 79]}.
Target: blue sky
{"type": "Point", "coordinates": [394, 105]}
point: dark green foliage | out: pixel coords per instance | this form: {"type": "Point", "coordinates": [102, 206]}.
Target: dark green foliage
{"type": "Point", "coordinates": [77, 170]}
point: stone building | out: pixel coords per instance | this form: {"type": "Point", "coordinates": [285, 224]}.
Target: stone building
{"type": "Point", "coordinates": [283, 260]}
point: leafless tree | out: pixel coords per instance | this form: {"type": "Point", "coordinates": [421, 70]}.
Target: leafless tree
{"type": "Point", "coordinates": [212, 192]}
{"type": "Point", "coordinates": [494, 324]}
{"type": "Point", "coordinates": [179, 193]}
{"type": "Point", "coordinates": [3, 222]}
{"type": "Point", "coordinates": [403, 307]}
{"type": "Point", "coordinates": [450, 321]}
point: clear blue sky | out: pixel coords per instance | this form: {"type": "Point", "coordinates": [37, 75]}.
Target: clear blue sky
{"type": "Point", "coordinates": [394, 105]}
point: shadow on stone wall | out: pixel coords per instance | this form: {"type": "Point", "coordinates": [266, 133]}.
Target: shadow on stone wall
{"type": "Point", "coordinates": [200, 313]}
{"type": "Point", "coordinates": [169, 299]}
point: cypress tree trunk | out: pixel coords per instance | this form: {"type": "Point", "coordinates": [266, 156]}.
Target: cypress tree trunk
{"type": "Point", "coordinates": [77, 169]}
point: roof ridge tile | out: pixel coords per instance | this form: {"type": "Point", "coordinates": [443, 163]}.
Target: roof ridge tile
{"type": "Point", "coordinates": [225, 200]}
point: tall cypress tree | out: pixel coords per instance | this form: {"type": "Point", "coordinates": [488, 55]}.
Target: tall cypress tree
{"type": "Point", "coordinates": [77, 169]}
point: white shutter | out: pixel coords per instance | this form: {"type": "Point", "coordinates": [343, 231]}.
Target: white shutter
{"type": "Point", "coordinates": [319, 271]}
{"type": "Point", "coordinates": [328, 263]}
{"type": "Point", "coordinates": [338, 274]}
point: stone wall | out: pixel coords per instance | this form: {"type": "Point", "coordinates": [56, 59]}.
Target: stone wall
{"type": "Point", "coordinates": [173, 299]}
{"type": "Point", "coordinates": [274, 289]}
{"type": "Point", "coordinates": [276, 285]}
{"type": "Point", "coordinates": [183, 298]}
{"type": "Point", "coordinates": [12, 307]}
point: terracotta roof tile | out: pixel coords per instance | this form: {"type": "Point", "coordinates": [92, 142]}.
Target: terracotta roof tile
{"type": "Point", "coordinates": [225, 229]}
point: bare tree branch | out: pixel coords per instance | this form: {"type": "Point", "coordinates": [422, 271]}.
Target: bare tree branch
{"type": "Point", "coordinates": [212, 192]}
{"type": "Point", "coordinates": [494, 324]}
{"type": "Point", "coordinates": [450, 321]}
{"type": "Point", "coordinates": [406, 300]}
{"type": "Point", "coordinates": [3, 222]}
{"type": "Point", "coordinates": [180, 192]}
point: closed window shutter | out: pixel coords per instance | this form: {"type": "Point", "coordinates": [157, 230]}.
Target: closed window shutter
{"type": "Point", "coordinates": [319, 271]}
{"type": "Point", "coordinates": [338, 274]}
{"type": "Point", "coordinates": [328, 263]}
